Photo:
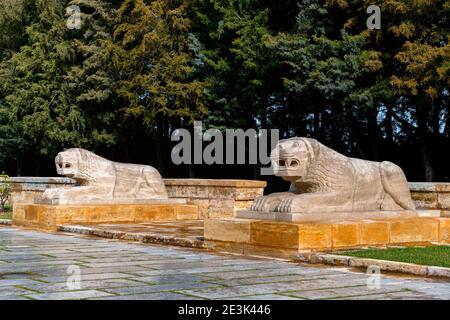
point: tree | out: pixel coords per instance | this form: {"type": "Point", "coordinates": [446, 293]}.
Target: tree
{"type": "Point", "coordinates": [153, 61]}
{"type": "Point", "coordinates": [55, 92]}
{"type": "Point", "coordinates": [238, 65]}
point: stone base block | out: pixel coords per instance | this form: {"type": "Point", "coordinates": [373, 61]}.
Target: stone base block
{"type": "Point", "coordinates": [287, 239]}
{"type": "Point", "coordinates": [330, 216]}
{"type": "Point", "coordinates": [49, 217]}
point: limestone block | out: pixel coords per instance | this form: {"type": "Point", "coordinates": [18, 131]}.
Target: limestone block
{"type": "Point", "coordinates": [444, 230]}
{"type": "Point", "coordinates": [186, 212]}
{"type": "Point", "coordinates": [278, 239]}
{"type": "Point", "coordinates": [414, 230]}
{"type": "Point", "coordinates": [242, 205]}
{"type": "Point", "coordinates": [274, 234]}
{"type": "Point", "coordinates": [425, 200]}
{"type": "Point", "coordinates": [444, 200]}
{"type": "Point", "coordinates": [445, 213]}
{"type": "Point", "coordinates": [257, 250]}
{"type": "Point", "coordinates": [216, 198]}
{"type": "Point", "coordinates": [345, 235]}
{"type": "Point", "coordinates": [227, 230]}
{"type": "Point", "coordinates": [49, 217]}
{"type": "Point", "coordinates": [374, 233]}
{"type": "Point", "coordinates": [248, 193]}
{"type": "Point", "coordinates": [315, 236]}
{"type": "Point", "coordinates": [221, 193]}
{"type": "Point", "coordinates": [442, 187]}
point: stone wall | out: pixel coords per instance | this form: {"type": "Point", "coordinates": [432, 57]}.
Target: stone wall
{"type": "Point", "coordinates": [431, 196]}
{"type": "Point", "coordinates": [222, 198]}
{"type": "Point", "coordinates": [26, 189]}
{"type": "Point", "coordinates": [214, 197]}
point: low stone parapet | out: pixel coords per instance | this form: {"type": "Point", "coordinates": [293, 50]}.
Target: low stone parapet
{"type": "Point", "coordinates": [221, 197]}
{"type": "Point", "coordinates": [216, 198]}
{"type": "Point", "coordinates": [431, 196]}
{"type": "Point", "coordinates": [27, 189]}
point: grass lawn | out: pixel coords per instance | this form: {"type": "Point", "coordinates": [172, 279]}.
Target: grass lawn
{"type": "Point", "coordinates": [430, 256]}
{"type": "Point", "coordinates": [6, 214]}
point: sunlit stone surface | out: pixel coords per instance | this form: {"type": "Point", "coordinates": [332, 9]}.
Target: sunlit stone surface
{"type": "Point", "coordinates": [325, 181]}
{"type": "Point", "coordinates": [103, 181]}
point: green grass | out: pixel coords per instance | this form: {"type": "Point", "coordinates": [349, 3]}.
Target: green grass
{"type": "Point", "coordinates": [430, 256]}
{"type": "Point", "coordinates": [6, 214]}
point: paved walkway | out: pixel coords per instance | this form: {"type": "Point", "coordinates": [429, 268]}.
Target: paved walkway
{"type": "Point", "coordinates": [35, 265]}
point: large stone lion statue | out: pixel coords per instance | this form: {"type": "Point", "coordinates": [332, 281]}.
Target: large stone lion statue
{"type": "Point", "coordinates": [102, 180]}
{"type": "Point", "coordinates": [323, 180]}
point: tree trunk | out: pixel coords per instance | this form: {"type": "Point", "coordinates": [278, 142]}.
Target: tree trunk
{"type": "Point", "coordinates": [423, 141]}
{"type": "Point", "coordinates": [191, 171]}
{"type": "Point", "coordinates": [372, 128]}
{"type": "Point", "coordinates": [160, 147]}
{"type": "Point", "coordinates": [389, 130]}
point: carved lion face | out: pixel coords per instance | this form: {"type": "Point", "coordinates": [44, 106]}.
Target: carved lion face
{"type": "Point", "coordinates": [67, 163]}
{"type": "Point", "coordinates": [291, 159]}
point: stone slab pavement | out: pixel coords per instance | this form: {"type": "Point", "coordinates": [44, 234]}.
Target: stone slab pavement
{"type": "Point", "coordinates": [38, 265]}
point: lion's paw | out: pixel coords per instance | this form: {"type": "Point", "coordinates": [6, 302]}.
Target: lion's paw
{"type": "Point", "coordinates": [264, 203]}
{"type": "Point", "coordinates": [292, 204]}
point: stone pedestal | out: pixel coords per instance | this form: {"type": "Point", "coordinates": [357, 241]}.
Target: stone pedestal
{"type": "Point", "coordinates": [287, 239]}
{"type": "Point", "coordinates": [216, 198]}
{"type": "Point", "coordinates": [330, 216]}
{"type": "Point", "coordinates": [49, 217]}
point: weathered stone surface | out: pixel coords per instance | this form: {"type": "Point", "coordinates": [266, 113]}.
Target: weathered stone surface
{"type": "Point", "coordinates": [374, 233]}
{"type": "Point", "coordinates": [285, 239]}
{"type": "Point", "coordinates": [232, 195]}
{"type": "Point", "coordinates": [431, 195]}
{"type": "Point", "coordinates": [345, 235]}
{"type": "Point", "coordinates": [315, 236]}
{"type": "Point", "coordinates": [223, 230]}
{"type": "Point", "coordinates": [444, 230]}
{"type": "Point", "coordinates": [181, 274]}
{"type": "Point", "coordinates": [216, 198]}
{"type": "Point", "coordinates": [322, 181]}
{"type": "Point", "coordinates": [330, 216]}
{"type": "Point", "coordinates": [420, 230]}
{"type": "Point", "coordinates": [28, 189]}
{"type": "Point", "coordinates": [102, 181]}
{"type": "Point", "coordinates": [49, 217]}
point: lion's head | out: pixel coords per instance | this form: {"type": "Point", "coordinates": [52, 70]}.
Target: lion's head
{"type": "Point", "coordinates": [291, 158]}
{"type": "Point", "coordinates": [76, 163]}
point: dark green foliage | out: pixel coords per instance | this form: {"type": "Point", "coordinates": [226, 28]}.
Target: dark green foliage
{"type": "Point", "coordinates": [138, 69]}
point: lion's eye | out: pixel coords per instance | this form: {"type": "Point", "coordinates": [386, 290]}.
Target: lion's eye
{"type": "Point", "coordinates": [59, 165]}
{"type": "Point", "coordinates": [67, 165]}
{"type": "Point", "coordinates": [293, 164]}
{"type": "Point", "coordinates": [281, 163]}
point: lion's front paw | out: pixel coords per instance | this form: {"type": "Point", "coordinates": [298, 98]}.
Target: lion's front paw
{"type": "Point", "coordinates": [291, 204]}
{"type": "Point", "coordinates": [284, 206]}
{"type": "Point", "coordinates": [264, 203]}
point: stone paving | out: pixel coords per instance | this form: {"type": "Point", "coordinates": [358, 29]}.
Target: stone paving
{"type": "Point", "coordinates": [37, 265]}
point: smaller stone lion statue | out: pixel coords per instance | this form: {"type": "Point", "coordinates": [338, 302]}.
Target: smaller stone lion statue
{"type": "Point", "coordinates": [324, 181]}
{"type": "Point", "coordinates": [102, 180]}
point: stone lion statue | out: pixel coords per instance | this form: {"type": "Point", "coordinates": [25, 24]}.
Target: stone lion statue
{"type": "Point", "coordinates": [101, 180]}
{"type": "Point", "coordinates": [323, 180]}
